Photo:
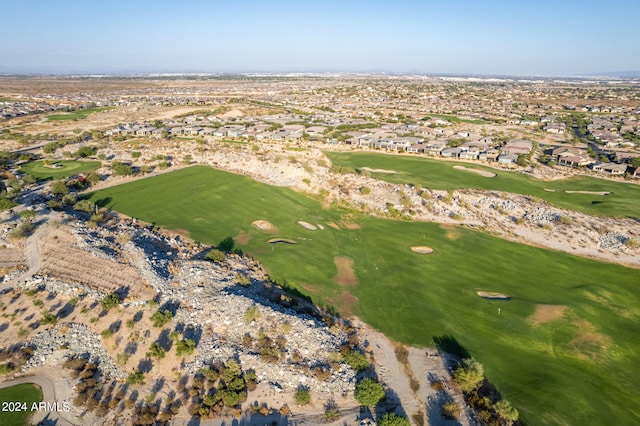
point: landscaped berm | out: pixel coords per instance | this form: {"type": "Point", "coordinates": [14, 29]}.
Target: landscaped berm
{"type": "Point", "coordinates": [54, 170]}
{"type": "Point", "coordinates": [555, 372]}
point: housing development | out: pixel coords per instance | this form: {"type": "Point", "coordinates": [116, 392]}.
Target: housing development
{"type": "Point", "coordinates": [319, 249]}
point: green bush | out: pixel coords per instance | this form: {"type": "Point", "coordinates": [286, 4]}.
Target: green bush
{"type": "Point", "coordinates": [506, 411]}
{"type": "Point", "coordinates": [49, 318]}
{"type": "Point", "coordinates": [356, 360]}
{"type": "Point", "coordinates": [303, 396]}
{"type": "Point", "coordinates": [450, 410]}
{"type": "Point", "coordinates": [185, 347]}
{"type": "Point", "coordinates": [136, 377]}
{"type": "Point", "coordinates": [59, 188]}
{"type": "Point", "coordinates": [84, 206]}
{"type": "Point", "coordinates": [369, 392]}
{"type": "Point", "coordinates": [468, 375]}
{"type": "Point", "coordinates": [160, 318]}
{"type": "Point", "coordinates": [392, 419]}
{"type": "Point", "coordinates": [110, 301]}
{"type": "Point", "coordinates": [155, 351]}
{"type": "Point", "coordinates": [215, 255]}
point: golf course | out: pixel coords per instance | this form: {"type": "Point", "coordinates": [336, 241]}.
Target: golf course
{"type": "Point", "coordinates": [58, 169]}
{"type": "Point", "coordinates": [20, 397]}
{"type": "Point", "coordinates": [580, 193]}
{"type": "Point", "coordinates": [562, 347]}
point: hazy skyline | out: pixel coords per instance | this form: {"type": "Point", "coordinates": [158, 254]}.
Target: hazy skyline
{"type": "Point", "coordinates": [456, 37]}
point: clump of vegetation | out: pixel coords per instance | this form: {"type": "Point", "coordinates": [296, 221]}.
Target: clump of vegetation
{"type": "Point", "coordinates": [215, 255]}
{"type": "Point", "coordinates": [369, 392]}
{"type": "Point", "coordinates": [468, 375]}
{"type": "Point", "coordinates": [251, 314]}
{"type": "Point", "coordinates": [135, 377]}
{"type": "Point", "coordinates": [303, 395]}
{"type": "Point", "coordinates": [155, 351]}
{"type": "Point", "coordinates": [356, 360]}
{"type": "Point", "coordinates": [451, 410]}
{"type": "Point", "coordinates": [161, 318]}
{"type": "Point", "coordinates": [392, 419]}
{"type": "Point", "coordinates": [49, 318]}
{"type": "Point", "coordinates": [110, 301]}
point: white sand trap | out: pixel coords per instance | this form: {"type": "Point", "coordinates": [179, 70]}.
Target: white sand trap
{"type": "Point", "coordinates": [588, 192]}
{"type": "Point", "coordinates": [370, 170]}
{"type": "Point", "coordinates": [422, 249]}
{"type": "Point", "coordinates": [550, 190]}
{"type": "Point", "coordinates": [262, 225]}
{"type": "Point", "coordinates": [476, 171]}
{"type": "Point", "coordinates": [494, 296]}
{"type": "Point", "coordinates": [319, 226]}
{"type": "Point", "coordinates": [307, 225]}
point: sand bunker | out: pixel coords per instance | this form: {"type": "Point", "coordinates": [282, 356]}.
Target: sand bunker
{"type": "Point", "coordinates": [493, 296]}
{"type": "Point", "coordinates": [476, 171]}
{"type": "Point", "coordinates": [547, 313]}
{"type": "Point", "coordinates": [351, 226]}
{"type": "Point", "coordinates": [281, 240]}
{"type": "Point", "coordinates": [333, 225]}
{"type": "Point", "coordinates": [588, 192]}
{"type": "Point", "coordinates": [550, 190]}
{"type": "Point", "coordinates": [262, 225]}
{"type": "Point", "coordinates": [346, 274]}
{"type": "Point", "coordinates": [307, 225]}
{"type": "Point", "coordinates": [319, 226]}
{"type": "Point", "coordinates": [370, 170]}
{"type": "Point", "coordinates": [422, 249]}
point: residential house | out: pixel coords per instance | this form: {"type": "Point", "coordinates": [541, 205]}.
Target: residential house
{"type": "Point", "coordinates": [613, 169]}
{"type": "Point", "coordinates": [508, 158]}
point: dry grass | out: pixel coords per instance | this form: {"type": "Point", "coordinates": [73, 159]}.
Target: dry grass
{"type": "Point", "coordinates": [452, 232]}
{"type": "Point", "coordinates": [588, 343]}
{"type": "Point", "coordinates": [346, 275]}
{"type": "Point", "coordinates": [11, 258]}
{"type": "Point", "coordinates": [547, 313]}
{"type": "Point", "coordinates": [243, 238]}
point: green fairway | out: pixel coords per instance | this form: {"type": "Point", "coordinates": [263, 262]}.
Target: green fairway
{"type": "Point", "coordinates": [578, 368]}
{"type": "Point", "coordinates": [623, 200]}
{"type": "Point", "coordinates": [80, 114]}
{"type": "Point", "coordinates": [63, 169]}
{"type": "Point", "coordinates": [16, 404]}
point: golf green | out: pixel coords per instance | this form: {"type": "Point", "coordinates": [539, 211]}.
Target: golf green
{"type": "Point", "coordinates": [59, 169]}
{"type": "Point", "coordinates": [17, 403]}
{"type": "Point", "coordinates": [576, 367]}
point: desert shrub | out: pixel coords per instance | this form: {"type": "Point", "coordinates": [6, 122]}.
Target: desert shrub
{"type": "Point", "coordinates": [84, 206]}
{"type": "Point", "coordinates": [331, 414]}
{"type": "Point", "coordinates": [251, 314]}
{"type": "Point", "coordinates": [59, 188]}
{"type": "Point", "coordinates": [49, 318]}
{"type": "Point", "coordinates": [242, 280]}
{"type": "Point", "coordinates": [185, 347]}
{"type": "Point", "coordinates": [356, 360]}
{"type": "Point", "coordinates": [110, 301]}
{"type": "Point", "coordinates": [106, 333]}
{"type": "Point", "coordinates": [161, 318]}
{"type": "Point", "coordinates": [450, 410]}
{"type": "Point", "coordinates": [365, 190]}
{"type": "Point", "coordinates": [506, 411]}
{"type": "Point", "coordinates": [303, 395]}
{"type": "Point", "coordinates": [215, 255]}
{"type": "Point", "coordinates": [135, 377]}
{"type": "Point", "coordinates": [155, 351]}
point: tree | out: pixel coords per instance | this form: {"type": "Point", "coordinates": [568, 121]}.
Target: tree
{"type": "Point", "coordinates": [85, 151]}
{"type": "Point", "coordinates": [506, 411]}
{"type": "Point", "coordinates": [160, 318]}
{"type": "Point", "coordinates": [136, 377]}
{"type": "Point", "coordinates": [120, 169]}
{"type": "Point", "coordinates": [185, 346]}
{"type": "Point", "coordinates": [226, 245]}
{"type": "Point", "coordinates": [156, 351]}
{"type": "Point", "coordinates": [469, 374]}
{"type": "Point", "coordinates": [635, 162]}
{"type": "Point", "coordinates": [369, 392]}
{"type": "Point", "coordinates": [59, 188]}
{"type": "Point", "coordinates": [392, 419]}
{"type": "Point", "coordinates": [85, 206]}
{"type": "Point", "coordinates": [522, 160]}
{"type": "Point", "coordinates": [110, 301]}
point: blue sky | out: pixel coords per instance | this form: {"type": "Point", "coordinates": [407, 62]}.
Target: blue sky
{"type": "Point", "coordinates": [519, 37]}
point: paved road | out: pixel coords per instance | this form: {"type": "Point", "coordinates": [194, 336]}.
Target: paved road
{"type": "Point", "coordinates": [44, 417]}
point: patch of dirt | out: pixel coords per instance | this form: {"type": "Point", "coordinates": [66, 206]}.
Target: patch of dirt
{"type": "Point", "coordinates": [264, 225]}
{"type": "Point", "coordinates": [493, 296]}
{"type": "Point", "coordinates": [452, 232]}
{"type": "Point", "coordinates": [346, 275]}
{"type": "Point", "coordinates": [588, 343]}
{"type": "Point", "coordinates": [422, 249]}
{"type": "Point", "coordinates": [11, 258]}
{"type": "Point", "coordinates": [344, 303]}
{"type": "Point", "coordinates": [181, 232]}
{"type": "Point", "coordinates": [483, 173]}
{"type": "Point", "coordinates": [61, 259]}
{"type": "Point", "coordinates": [350, 225]}
{"type": "Point", "coordinates": [589, 192]}
{"type": "Point", "coordinates": [368, 169]}
{"type": "Point", "coordinates": [333, 225]}
{"type": "Point", "coordinates": [550, 190]}
{"type": "Point", "coordinates": [307, 225]}
{"type": "Point", "coordinates": [547, 313]}
{"type": "Point", "coordinates": [243, 238]}
{"type": "Point", "coordinates": [310, 288]}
